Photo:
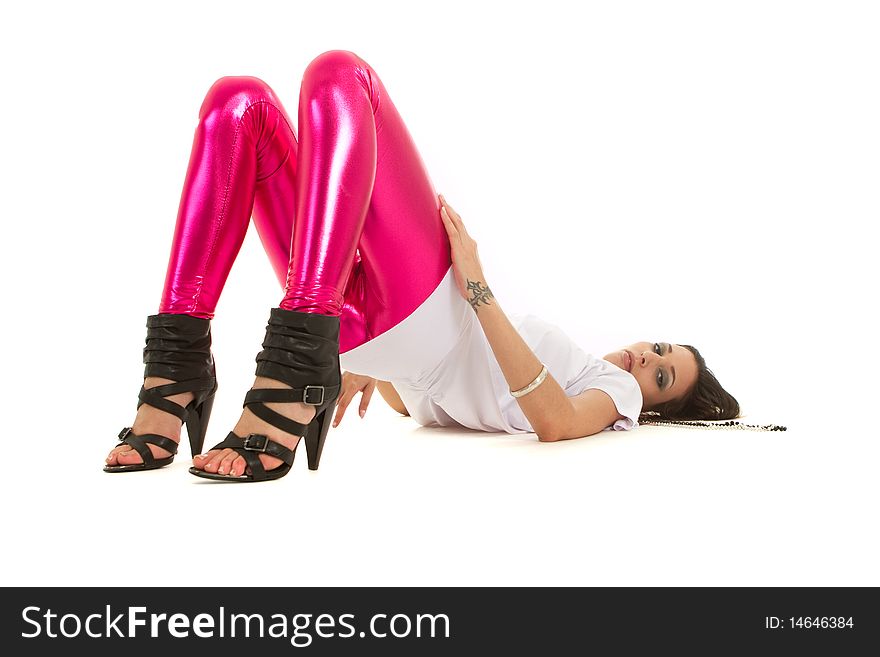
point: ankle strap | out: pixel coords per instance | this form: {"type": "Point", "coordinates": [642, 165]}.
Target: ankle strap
{"type": "Point", "coordinates": [255, 400]}
{"type": "Point", "coordinates": [313, 395]}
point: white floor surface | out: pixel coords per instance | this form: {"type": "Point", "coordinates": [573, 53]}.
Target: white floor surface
{"type": "Point", "coordinates": [398, 504]}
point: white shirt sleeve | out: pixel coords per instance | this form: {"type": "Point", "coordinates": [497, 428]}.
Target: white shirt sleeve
{"type": "Point", "coordinates": [624, 391]}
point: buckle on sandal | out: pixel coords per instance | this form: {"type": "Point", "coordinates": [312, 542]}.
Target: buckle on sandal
{"type": "Point", "coordinates": [306, 395]}
{"type": "Point", "coordinates": [124, 433]}
{"type": "Point", "coordinates": [256, 442]}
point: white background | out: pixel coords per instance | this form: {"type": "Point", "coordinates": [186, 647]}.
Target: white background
{"type": "Point", "coordinates": [698, 172]}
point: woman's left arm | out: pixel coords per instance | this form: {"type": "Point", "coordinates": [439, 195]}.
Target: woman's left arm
{"type": "Point", "coordinates": [547, 408]}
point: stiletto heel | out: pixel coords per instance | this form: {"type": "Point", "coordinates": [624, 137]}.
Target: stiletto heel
{"type": "Point", "coordinates": [315, 438]}
{"type": "Point", "coordinates": [178, 347]}
{"type": "Point", "coordinates": [301, 350]}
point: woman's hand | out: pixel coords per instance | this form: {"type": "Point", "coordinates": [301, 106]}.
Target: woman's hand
{"type": "Point", "coordinates": [465, 260]}
{"type": "Point", "coordinates": [351, 385]}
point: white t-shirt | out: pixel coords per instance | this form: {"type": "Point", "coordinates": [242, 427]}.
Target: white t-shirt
{"type": "Point", "coordinates": [468, 388]}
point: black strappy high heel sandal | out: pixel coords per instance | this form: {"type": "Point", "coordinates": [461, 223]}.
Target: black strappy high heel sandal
{"type": "Point", "coordinates": [178, 347]}
{"type": "Point", "coordinates": [301, 350]}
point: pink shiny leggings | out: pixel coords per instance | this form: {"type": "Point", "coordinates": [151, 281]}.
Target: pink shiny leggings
{"type": "Point", "coordinates": [348, 215]}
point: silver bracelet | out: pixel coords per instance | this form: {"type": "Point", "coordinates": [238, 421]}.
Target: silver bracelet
{"type": "Point", "coordinates": [534, 384]}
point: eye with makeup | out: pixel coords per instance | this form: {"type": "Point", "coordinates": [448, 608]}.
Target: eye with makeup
{"type": "Point", "coordinates": [661, 375]}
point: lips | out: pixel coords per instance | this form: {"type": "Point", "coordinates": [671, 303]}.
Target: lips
{"type": "Point", "coordinates": [627, 360]}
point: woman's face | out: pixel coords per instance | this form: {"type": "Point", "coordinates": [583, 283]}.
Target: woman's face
{"type": "Point", "coordinates": [664, 371]}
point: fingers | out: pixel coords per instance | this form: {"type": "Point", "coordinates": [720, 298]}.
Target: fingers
{"type": "Point", "coordinates": [365, 397]}
{"type": "Point", "coordinates": [345, 396]}
{"type": "Point", "coordinates": [444, 203]}
{"type": "Point", "coordinates": [341, 405]}
{"type": "Point", "coordinates": [348, 394]}
{"type": "Point", "coordinates": [448, 224]}
{"type": "Point", "coordinates": [452, 221]}
{"type": "Point", "coordinates": [349, 387]}
{"type": "Point", "coordinates": [450, 211]}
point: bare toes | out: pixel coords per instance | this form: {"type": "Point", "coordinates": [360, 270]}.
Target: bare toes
{"type": "Point", "coordinates": [226, 462]}
{"type": "Point", "coordinates": [216, 458]}
{"type": "Point", "coordinates": [129, 457]}
{"type": "Point", "coordinates": [112, 457]}
{"type": "Point", "coordinates": [238, 466]}
{"type": "Point", "coordinates": [203, 460]}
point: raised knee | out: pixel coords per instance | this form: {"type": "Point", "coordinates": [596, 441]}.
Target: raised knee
{"type": "Point", "coordinates": [333, 66]}
{"type": "Point", "coordinates": [234, 93]}
{"type": "Point", "coordinates": [334, 59]}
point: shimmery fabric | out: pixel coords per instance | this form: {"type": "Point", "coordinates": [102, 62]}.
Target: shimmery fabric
{"type": "Point", "coordinates": [348, 214]}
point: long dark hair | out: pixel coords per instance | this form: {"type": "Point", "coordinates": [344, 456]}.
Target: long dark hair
{"type": "Point", "coordinates": [707, 400]}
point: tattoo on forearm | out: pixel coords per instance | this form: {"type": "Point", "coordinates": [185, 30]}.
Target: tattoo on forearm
{"type": "Point", "coordinates": [482, 294]}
